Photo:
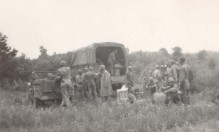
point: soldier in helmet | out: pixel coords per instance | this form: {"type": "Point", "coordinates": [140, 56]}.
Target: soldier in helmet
{"type": "Point", "coordinates": [171, 92]}
{"type": "Point", "coordinates": [112, 61]}
{"type": "Point", "coordinates": [79, 85]}
{"type": "Point", "coordinates": [129, 78]}
{"type": "Point", "coordinates": [85, 89]}
{"type": "Point", "coordinates": [151, 86]}
{"type": "Point", "coordinates": [89, 81]}
{"type": "Point", "coordinates": [106, 87]}
{"type": "Point", "coordinates": [64, 74]}
{"type": "Point", "coordinates": [185, 77]}
{"type": "Point", "coordinates": [157, 77]}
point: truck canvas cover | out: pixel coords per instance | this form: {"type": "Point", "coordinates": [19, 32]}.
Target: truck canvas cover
{"type": "Point", "coordinates": [87, 55]}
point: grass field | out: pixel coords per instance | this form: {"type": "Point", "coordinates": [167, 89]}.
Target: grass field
{"type": "Point", "coordinates": [17, 116]}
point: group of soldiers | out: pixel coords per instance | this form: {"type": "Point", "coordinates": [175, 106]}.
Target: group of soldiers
{"type": "Point", "coordinates": [172, 79]}
{"type": "Point", "coordinates": [88, 84]}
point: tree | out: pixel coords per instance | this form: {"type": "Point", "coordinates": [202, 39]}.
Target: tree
{"type": "Point", "coordinates": [7, 63]}
{"type": "Point", "coordinates": [24, 67]}
{"type": "Point", "coordinates": [164, 52]}
{"type": "Point", "coordinates": [43, 52]}
{"type": "Point", "coordinates": [212, 64]}
{"type": "Point", "coordinates": [177, 52]}
{"type": "Point", "coordinates": [202, 55]}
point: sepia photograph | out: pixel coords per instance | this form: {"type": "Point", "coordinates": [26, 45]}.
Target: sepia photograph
{"type": "Point", "coordinates": [109, 66]}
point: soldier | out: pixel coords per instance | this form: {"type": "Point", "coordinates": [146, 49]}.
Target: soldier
{"type": "Point", "coordinates": [151, 86]}
{"type": "Point", "coordinates": [184, 74]}
{"type": "Point", "coordinates": [145, 75]}
{"type": "Point", "coordinates": [79, 85]}
{"type": "Point", "coordinates": [90, 83]}
{"type": "Point", "coordinates": [98, 83]}
{"type": "Point", "coordinates": [157, 76]}
{"type": "Point", "coordinates": [163, 69]}
{"type": "Point", "coordinates": [172, 70]}
{"type": "Point", "coordinates": [106, 87]}
{"type": "Point", "coordinates": [129, 79]}
{"type": "Point", "coordinates": [85, 89]}
{"type": "Point", "coordinates": [112, 61]}
{"type": "Point", "coordinates": [171, 92]}
{"type": "Point", "coordinates": [64, 74]}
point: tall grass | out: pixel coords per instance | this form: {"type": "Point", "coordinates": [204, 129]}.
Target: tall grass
{"type": "Point", "coordinates": [112, 117]}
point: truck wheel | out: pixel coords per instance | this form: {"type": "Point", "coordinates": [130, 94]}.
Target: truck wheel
{"type": "Point", "coordinates": [36, 102]}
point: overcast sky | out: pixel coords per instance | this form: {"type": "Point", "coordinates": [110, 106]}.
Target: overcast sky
{"type": "Point", "coordinates": [148, 25]}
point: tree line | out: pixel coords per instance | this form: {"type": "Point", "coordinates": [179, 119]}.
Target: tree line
{"type": "Point", "coordinates": [13, 67]}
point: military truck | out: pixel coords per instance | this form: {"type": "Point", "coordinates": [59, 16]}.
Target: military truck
{"type": "Point", "coordinates": [96, 54]}
{"type": "Point", "coordinates": [44, 89]}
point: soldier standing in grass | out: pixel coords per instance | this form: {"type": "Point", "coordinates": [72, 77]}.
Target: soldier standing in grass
{"type": "Point", "coordinates": [129, 79]}
{"type": "Point", "coordinates": [64, 74]}
{"type": "Point", "coordinates": [98, 83]}
{"type": "Point", "coordinates": [106, 88]}
{"type": "Point", "coordinates": [85, 89]}
{"type": "Point", "coordinates": [79, 85]}
{"type": "Point", "coordinates": [151, 86]}
{"type": "Point", "coordinates": [184, 84]}
{"type": "Point", "coordinates": [157, 76]}
{"type": "Point", "coordinates": [90, 83]}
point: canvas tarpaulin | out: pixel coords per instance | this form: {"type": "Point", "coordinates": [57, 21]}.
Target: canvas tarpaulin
{"type": "Point", "coordinates": [87, 55]}
{"type": "Point", "coordinates": [84, 56]}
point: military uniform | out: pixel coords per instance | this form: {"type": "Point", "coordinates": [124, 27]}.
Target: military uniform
{"type": "Point", "coordinates": [111, 62]}
{"type": "Point", "coordinates": [106, 87]}
{"type": "Point", "coordinates": [90, 84]}
{"type": "Point", "coordinates": [184, 84]}
{"type": "Point", "coordinates": [129, 80]}
{"type": "Point", "coordinates": [98, 83]}
{"type": "Point", "coordinates": [171, 93]}
{"type": "Point", "coordinates": [66, 85]}
{"type": "Point", "coordinates": [157, 76]}
{"type": "Point", "coordinates": [79, 87]}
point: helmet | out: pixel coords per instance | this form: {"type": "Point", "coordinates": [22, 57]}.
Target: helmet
{"type": "Point", "coordinates": [170, 80]}
{"type": "Point", "coordinates": [129, 67]}
{"type": "Point", "coordinates": [90, 68]}
{"type": "Point", "coordinates": [102, 67]}
{"type": "Point", "coordinates": [150, 78]}
{"type": "Point", "coordinates": [80, 71]}
{"type": "Point", "coordinates": [85, 69]}
{"type": "Point", "coordinates": [63, 63]}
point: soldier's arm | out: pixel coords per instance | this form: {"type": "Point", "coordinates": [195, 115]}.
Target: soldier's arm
{"type": "Point", "coordinates": [173, 89]}
{"type": "Point", "coordinates": [114, 58]}
{"type": "Point", "coordinates": [147, 85]}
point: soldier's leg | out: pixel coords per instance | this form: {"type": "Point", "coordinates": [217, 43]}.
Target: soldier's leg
{"type": "Point", "coordinates": [94, 93]}
{"type": "Point", "coordinates": [65, 95]}
{"type": "Point", "coordinates": [98, 90]}
{"type": "Point", "coordinates": [85, 90]}
{"type": "Point", "coordinates": [89, 88]}
{"type": "Point", "coordinates": [184, 95]}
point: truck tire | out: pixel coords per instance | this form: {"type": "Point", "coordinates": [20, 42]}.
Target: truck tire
{"type": "Point", "coordinates": [36, 102]}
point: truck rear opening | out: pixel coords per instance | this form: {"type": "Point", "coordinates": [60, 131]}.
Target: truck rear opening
{"type": "Point", "coordinates": [102, 54]}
